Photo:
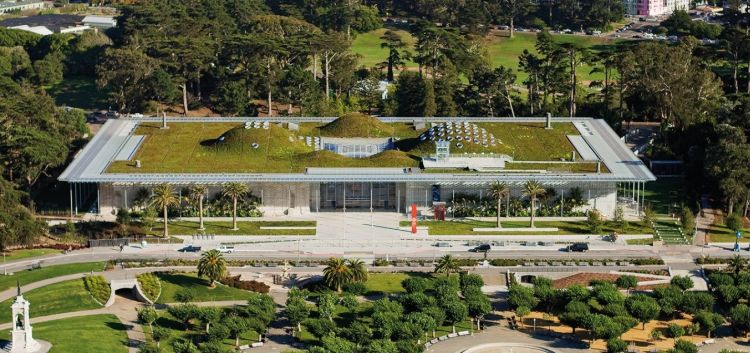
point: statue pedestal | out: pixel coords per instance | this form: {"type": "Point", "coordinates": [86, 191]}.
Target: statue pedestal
{"type": "Point", "coordinates": [39, 346]}
{"type": "Point", "coordinates": [22, 340]}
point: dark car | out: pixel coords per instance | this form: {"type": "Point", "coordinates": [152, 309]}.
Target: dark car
{"type": "Point", "coordinates": [578, 247]}
{"type": "Point", "coordinates": [481, 248]}
{"type": "Point", "coordinates": [190, 248]}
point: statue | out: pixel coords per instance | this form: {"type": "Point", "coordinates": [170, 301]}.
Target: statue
{"type": "Point", "coordinates": [22, 340]}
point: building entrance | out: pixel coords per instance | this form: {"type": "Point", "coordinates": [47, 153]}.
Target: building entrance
{"type": "Point", "coordinates": [358, 196]}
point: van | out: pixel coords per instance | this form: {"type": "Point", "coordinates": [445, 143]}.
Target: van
{"type": "Point", "coordinates": [578, 247]}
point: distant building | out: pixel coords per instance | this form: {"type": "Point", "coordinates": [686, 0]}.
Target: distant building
{"type": "Point", "coordinates": [41, 30]}
{"type": "Point", "coordinates": [101, 22]}
{"type": "Point", "coordinates": [22, 5]}
{"type": "Point", "coordinates": [46, 24]}
{"type": "Point", "coordinates": [652, 8]}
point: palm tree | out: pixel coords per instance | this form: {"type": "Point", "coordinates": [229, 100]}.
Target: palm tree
{"type": "Point", "coordinates": [358, 270]}
{"type": "Point", "coordinates": [198, 193]}
{"type": "Point", "coordinates": [235, 191]}
{"type": "Point", "coordinates": [164, 197]}
{"type": "Point", "coordinates": [337, 273]}
{"type": "Point", "coordinates": [447, 264]}
{"type": "Point", "coordinates": [533, 189]}
{"type": "Point", "coordinates": [499, 190]}
{"type": "Point", "coordinates": [736, 264]}
{"type": "Point", "coordinates": [213, 266]}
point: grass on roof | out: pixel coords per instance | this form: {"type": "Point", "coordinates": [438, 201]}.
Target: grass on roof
{"type": "Point", "coordinates": [230, 148]}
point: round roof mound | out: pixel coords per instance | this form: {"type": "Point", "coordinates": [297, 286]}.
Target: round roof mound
{"type": "Point", "coordinates": [242, 138]}
{"type": "Point", "coordinates": [357, 125]}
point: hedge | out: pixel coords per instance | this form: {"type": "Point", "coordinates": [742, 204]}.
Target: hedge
{"type": "Point", "coordinates": [150, 285]}
{"type": "Point", "coordinates": [98, 287]}
{"type": "Point", "coordinates": [253, 286]}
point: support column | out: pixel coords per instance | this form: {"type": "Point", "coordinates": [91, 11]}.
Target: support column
{"type": "Point", "coordinates": [125, 191]}
{"type": "Point", "coordinates": [70, 195]}
{"type": "Point", "coordinates": [562, 202]}
{"type": "Point", "coordinates": [453, 202]}
{"type": "Point", "coordinates": [344, 200]}
{"type": "Point", "coordinates": [98, 201]}
{"type": "Point", "coordinates": [370, 204]}
{"type": "Point", "coordinates": [75, 197]}
{"type": "Point", "coordinates": [398, 198]}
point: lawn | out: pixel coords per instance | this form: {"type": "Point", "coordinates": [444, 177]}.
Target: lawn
{"type": "Point", "coordinates": [666, 195]}
{"type": "Point", "coordinates": [87, 334]}
{"type": "Point", "coordinates": [719, 233]}
{"type": "Point", "coordinates": [31, 276]}
{"type": "Point", "coordinates": [246, 228]}
{"type": "Point", "coordinates": [386, 282]}
{"type": "Point", "coordinates": [230, 148]}
{"type": "Point", "coordinates": [172, 283]}
{"type": "Point", "coordinates": [78, 92]}
{"type": "Point", "coordinates": [465, 227]}
{"type": "Point", "coordinates": [26, 253]}
{"type": "Point", "coordinates": [62, 297]}
{"type": "Point", "coordinates": [501, 50]}
{"type": "Point", "coordinates": [644, 241]}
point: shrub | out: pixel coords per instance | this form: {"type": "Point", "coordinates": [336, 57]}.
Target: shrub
{"type": "Point", "coordinates": [150, 285]}
{"type": "Point", "coordinates": [415, 285]}
{"type": "Point", "coordinates": [253, 286]}
{"type": "Point", "coordinates": [616, 345]}
{"type": "Point", "coordinates": [98, 287]}
{"type": "Point", "coordinates": [355, 288]}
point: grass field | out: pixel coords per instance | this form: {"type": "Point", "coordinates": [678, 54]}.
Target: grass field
{"type": "Point", "coordinates": [719, 233]}
{"type": "Point", "coordinates": [31, 276]}
{"type": "Point", "coordinates": [390, 283]}
{"type": "Point", "coordinates": [227, 148]}
{"type": "Point", "coordinates": [501, 50]}
{"type": "Point", "coordinates": [665, 193]}
{"type": "Point", "coordinates": [78, 92]}
{"type": "Point", "coordinates": [87, 334]}
{"type": "Point", "coordinates": [26, 253]}
{"type": "Point", "coordinates": [246, 228]}
{"type": "Point", "coordinates": [55, 298]}
{"type": "Point", "coordinates": [465, 227]}
{"type": "Point", "coordinates": [172, 283]}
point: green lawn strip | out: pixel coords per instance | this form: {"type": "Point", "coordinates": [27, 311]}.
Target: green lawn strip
{"type": "Point", "coordinates": [466, 227]}
{"type": "Point", "coordinates": [30, 276]}
{"type": "Point", "coordinates": [62, 297]}
{"type": "Point", "coordinates": [584, 167]}
{"type": "Point", "coordinates": [172, 283]}
{"type": "Point", "coordinates": [390, 283]}
{"type": "Point", "coordinates": [26, 253]}
{"type": "Point", "coordinates": [719, 233]}
{"type": "Point", "coordinates": [177, 331]}
{"type": "Point", "coordinates": [246, 228]}
{"type": "Point", "coordinates": [665, 195]}
{"type": "Point", "coordinates": [367, 45]}
{"type": "Point", "coordinates": [644, 241]}
{"type": "Point", "coordinates": [86, 334]}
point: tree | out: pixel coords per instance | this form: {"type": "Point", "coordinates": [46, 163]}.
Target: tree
{"type": "Point", "coordinates": [447, 264]}
{"type": "Point", "coordinates": [522, 312]}
{"type": "Point", "coordinates": [499, 190]}
{"type": "Point", "coordinates": [519, 295]}
{"type": "Point", "coordinates": [455, 311]}
{"type": "Point", "coordinates": [235, 191]}
{"type": "Point", "coordinates": [327, 305]}
{"type": "Point", "coordinates": [477, 304]}
{"type": "Point", "coordinates": [184, 346]}
{"type": "Point", "coordinates": [682, 282]}
{"type": "Point", "coordinates": [414, 284]}
{"type": "Point", "coordinates": [739, 316]}
{"type": "Point", "coordinates": [643, 308]}
{"type": "Point", "coordinates": [358, 270]}
{"type": "Point", "coordinates": [183, 313]}
{"type": "Point", "coordinates": [159, 334]}
{"type": "Point", "coordinates": [616, 345]}
{"type": "Point", "coordinates": [336, 273]}
{"type": "Point", "coordinates": [594, 221]}
{"type": "Point", "coordinates": [148, 315]}
{"type": "Point", "coordinates": [237, 326]}
{"type": "Point", "coordinates": [164, 197]}
{"type": "Point", "coordinates": [533, 189]}
{"type": "Point", "coordinates": [213, 266]}
{"type": "Point", "coordinates": [125, 73]}
{"type": "Point", "coordinates": [675, 331]}
{"type": "Point", "coordinates": [709, 321]}
{"type": "Point", "coordinates": [655, 335]}
{"type": "Point", "coordinates": [736, 264]}
{"type": "Point", "coordinates": [514, 10]}
{"type": "Point", "coordinates": [687, 222]}
{"type": "Point", "coordinates": [17, 224]}
{"type": "Point", "coordinates": [209, 315]}
{"type": "Point", "coordinates": [734, 222]}
{"type": "Point", "coordinates": [619, 219]}
{"type": "Point", "coordinates": [495, 85]}
{"type": "Point", "coordinates": [396, 55]}
{"type": "Point", "coordinates": [296, 311]}
{"type": "Point", "coordinates": [627, 282]}
{"type": "Point", "coordinates": [198, 193]}
{"type": "Point", "coordinates": [574, 315]}
{"type": "Point", "coordinates": [683, 346]}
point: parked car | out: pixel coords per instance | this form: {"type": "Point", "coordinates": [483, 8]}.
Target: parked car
{"type": "Point", "coordinates": [443, 244]}
{"type": "Point", "coordinates": [482, 248]}
{"type": "Point", "coordinates": [225, 249]}
{"type": "Point", "coordinates": [578, 247]}
{"type": "Point", "coordinates": [190, 248]}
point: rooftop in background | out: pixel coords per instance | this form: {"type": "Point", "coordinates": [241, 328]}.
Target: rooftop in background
{"type": "Point", "coordinates": [100, 21]}
{"type": "Point", "coordinates": [215, 150]}
{"type": "Point", "coordinates": [53, 22]}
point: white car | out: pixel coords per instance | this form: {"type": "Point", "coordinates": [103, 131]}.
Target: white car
{"type": "Point", "coordinates": [225, 249]}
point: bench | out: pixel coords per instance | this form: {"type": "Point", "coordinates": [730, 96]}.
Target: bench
{"type": "Point", "coordinates": [463, 333]}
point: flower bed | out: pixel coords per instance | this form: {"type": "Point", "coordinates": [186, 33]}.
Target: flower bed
{"type": "Point", "coordinates": [150, 286]}
{"type": "Point", "coordinates": [98, 287]}
{"type": "Point", "coordinates": [253, 286]}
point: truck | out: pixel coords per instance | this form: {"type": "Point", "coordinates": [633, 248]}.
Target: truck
{"type": "Point", "coordinates": [225, 249]}
{"type": "Point", "coordinates": [190, 248]}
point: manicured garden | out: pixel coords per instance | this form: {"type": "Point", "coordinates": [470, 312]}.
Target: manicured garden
{"type": "Point", "coordinates": [31, 276]}
{"type": "Point", "coordinates": [182, 227]}
{"type": "Point", "coordinates": [466, 227]}
{"type": "Point", "coordinates": [173, 285]}
{"type": "Point", "coordinates": [87, 334]}
{"type": "Point", "coordinates": [62, 297]}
